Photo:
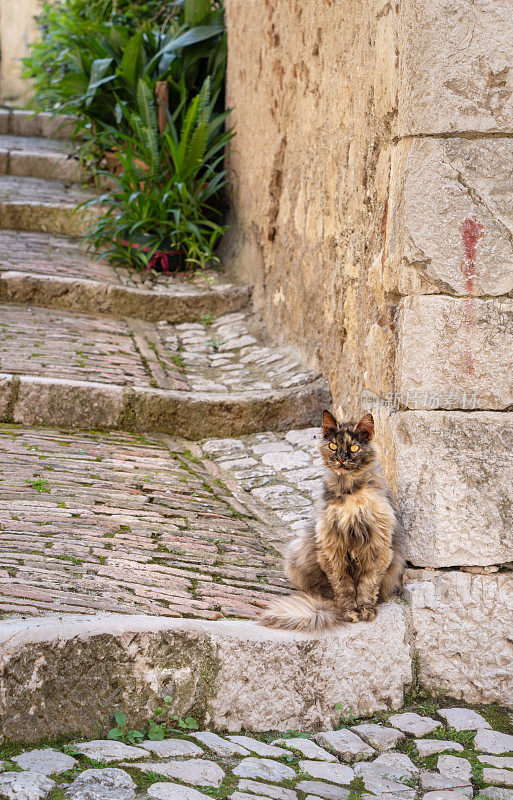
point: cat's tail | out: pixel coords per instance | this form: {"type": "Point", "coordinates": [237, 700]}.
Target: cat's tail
{"type": "Point", "coordinates": [300, 612]}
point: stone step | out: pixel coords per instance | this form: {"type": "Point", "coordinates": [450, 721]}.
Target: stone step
{"type": "Point", "coordinates": [21, 122]}
{"type": "Point", "coordinates": [39, 269]}
{"type": "Point", "coordinates": [39, 158]}
{"type": "Point", "coordinates": [101, 530]}
{"type": "Point", "coordinates": [190, 379]}
{"type": "Point", "coordinates": [59, 676]}
{"type": "Point", "coordinates": [35, 204]}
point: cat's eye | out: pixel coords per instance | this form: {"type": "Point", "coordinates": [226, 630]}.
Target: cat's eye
{"type": "Point", "coordinates": [332, 446]}
{"type": "Point", "coordinates": [354, 448]}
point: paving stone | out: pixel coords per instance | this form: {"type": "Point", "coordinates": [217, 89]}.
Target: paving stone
{"type": "Point", "coordinates": [495, 793]}
{"type": "Point", "coordinates": [427, 747]}
{"type": "Point", "coordinates": [166, 748]}
{"type": "Point", "coordinates": [493, 742]}
{"type": "Point", "coordinates": [414, 723]}
{"type": "Point", "coordinates": [378, 785]}
{"type": "Point", "coordinates": [25, 786]}
{"type": "Point", "coordinates": [324, 790]}
{"type": "Point", "coordinates": [248, 796]}
{"type": "Point", "coordinates": [312, 797]}
{"type": "Point", "coordinates": [307, 748]}
{"type": "Point", "coordinates": [110, 750]}
{"type": "Point", "coordinates": [399, 762]}
{"type": "Point", "coordinates": [499, 777]}
{"type": "Point", "coordinates": [436, 781]}
{"type": "Point", "coordinates": [45, 762]}
{"type": "Point", "coordinates": [197, 772]}
{"type": "Point", "coordinates": [337, 773]}
{"type": "Point", "coordinates": [446, 794]}
{"type": "Point", "coordinates": [463, 719]}
{"type": "Point", "coordinates": [378, 736]}
{"type": "Point", "coordinates": [275, 792]}
{"type": "Point", "coordinates": [218, 745]}
{"type": "Point", "coordinates": [263, 768]}
{"type": "Point", "coordinates": [174, 791]}
{"type": "Point", "coordinates": [108, 784]}
{"type": "Point", "coordinates": [345, 744]}
{"type": "Point", "coordinates": [256, 746]}
{"type": "Point", "coordinates": [455, 767]}
{"type": "Point", "coordinates": [497, 761]}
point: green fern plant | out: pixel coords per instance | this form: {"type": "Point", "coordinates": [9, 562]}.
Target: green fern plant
{"type": "Point", "coordinates": [167, 198]}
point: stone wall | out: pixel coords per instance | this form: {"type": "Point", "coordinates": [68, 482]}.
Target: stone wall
{"type": "Point", "coordinates": [312, 85]}
{"type": "Point", "coordinates": [17, 30]}
{"type": "Point", "coordinates": [372, 206]}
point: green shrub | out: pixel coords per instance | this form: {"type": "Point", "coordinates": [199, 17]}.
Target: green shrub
{"type": "Point", "coordinates": [101, 61]}
{"type": "Point", "coordinates": [167, 195]}
{"type": "Point", "coordinates": [63, 23]}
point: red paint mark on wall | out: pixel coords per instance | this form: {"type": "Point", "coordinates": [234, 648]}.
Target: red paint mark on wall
{"type": "Point", "coordinates": [471, 232]}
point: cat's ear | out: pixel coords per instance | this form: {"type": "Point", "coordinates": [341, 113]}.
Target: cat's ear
{"type": "Point", "coordinates": [329, 423]}
{"type": "Point", "coordinates": [365, 428]}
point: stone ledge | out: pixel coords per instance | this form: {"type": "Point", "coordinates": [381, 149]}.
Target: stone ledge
{"type": "Point", "coordinates": [62, 676]}
{"type": "Point", "coordinates": [91, 296]}
{"type": "Point", "coordinates": [57, 402]}
{"type": "Point", "coordinates": [452, 471]}
{"type": "Point", "coordinates": [462, 625]}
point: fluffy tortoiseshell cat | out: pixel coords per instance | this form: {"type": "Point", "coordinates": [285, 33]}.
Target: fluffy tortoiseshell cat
{"type": "Point", "coordinates": [351, 558]}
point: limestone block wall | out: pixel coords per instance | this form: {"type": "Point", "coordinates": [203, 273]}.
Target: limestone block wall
{"type": "Point", "coordinates": [372, 190]}
{"type": "Point", "coordinates": [17, 30]}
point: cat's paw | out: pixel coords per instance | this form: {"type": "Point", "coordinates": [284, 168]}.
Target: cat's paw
{"type": "Point", "coordinates": [348, 615]}
{"type": "Point", "coordinates": [367, 613]}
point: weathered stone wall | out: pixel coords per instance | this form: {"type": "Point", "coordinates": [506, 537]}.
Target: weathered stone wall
{"type": "Point", "coordinates": [373, 196]}
{"type": "Point", "coordinates": [17, 30]}
{"type": "Point", "coordinates": [312, 85]}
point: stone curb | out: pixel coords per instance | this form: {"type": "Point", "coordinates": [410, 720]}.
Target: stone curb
{"type": "Point", "coordinates": [33, 400]}
{"type": "Point", "coordinates": [95, 297]}
{"type": "Point", "coordinates": [67, 676]}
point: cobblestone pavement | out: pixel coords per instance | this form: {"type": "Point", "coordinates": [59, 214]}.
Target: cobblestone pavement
{"type": "Point", "coordinates": [280, 471]}
{"type": "Point", "coordinates": [124, 523]}
{"type": "Point", "coordinates": [439, 754]}
{"type": "Point", "coordinates": [223, 355]}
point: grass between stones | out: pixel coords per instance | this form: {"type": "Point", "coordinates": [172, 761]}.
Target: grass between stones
{"type": "Point", "coordinates": [500, 719]}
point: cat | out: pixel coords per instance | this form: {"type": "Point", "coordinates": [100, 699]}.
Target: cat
{"type": "Point", "coordinates": [352, 557]}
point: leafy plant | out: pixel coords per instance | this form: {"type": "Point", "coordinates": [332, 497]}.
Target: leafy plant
{"type": "Point", "coordinates": [94, 61]}
{"type": "Point", "coordinates": [156, 731]}
{"type": "Point", "coordinates": [166, 198]}
{"type": "Point", "coordinates": [40, 485]}
{"type": "Point", "coordinates": [121, 733]}
{"type": "Point", "coordinates": [63, 23]}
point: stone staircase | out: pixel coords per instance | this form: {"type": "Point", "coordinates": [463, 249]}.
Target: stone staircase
{"type": "Point", "coordinates": [156, 453]}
